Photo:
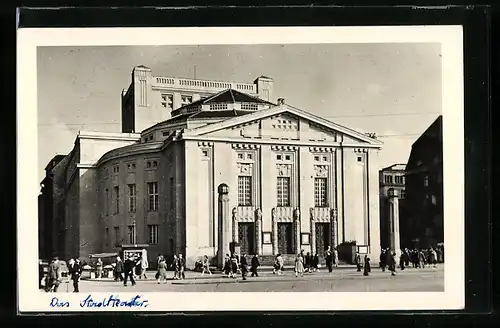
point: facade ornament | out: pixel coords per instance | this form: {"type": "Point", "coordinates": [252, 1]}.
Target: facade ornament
{"type": "Point", "coordinates": [296, 213]}
{"type": "Point", "coordinates": [311, 213]}
{"type": "Point", "coordinates": [244, 168]}
{"type": "Point", "coordinates": [284, 170]}
{"type": "Point", "coordinates": [234, 212]}
{"type": "Point", "coordinates": [333, 213]}
{"type": "Point", "coordinates": [321, 171]}
{"type": "Point", "coordinates": [258, 214]}
{"type": "Point", "coordinates": [273, 212]}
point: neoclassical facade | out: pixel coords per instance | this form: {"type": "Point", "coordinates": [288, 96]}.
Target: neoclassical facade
{"type": "Point", "coordinates": [291, 181]}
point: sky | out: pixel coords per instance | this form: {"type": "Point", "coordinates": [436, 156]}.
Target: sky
{"type": "Point", "coordinates": [392, 89]}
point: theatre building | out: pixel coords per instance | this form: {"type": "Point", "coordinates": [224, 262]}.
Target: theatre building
{"type": "Point", "coordinates": [229, 167]}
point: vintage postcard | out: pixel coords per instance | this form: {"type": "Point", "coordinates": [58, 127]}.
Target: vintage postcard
{"type": "Point", "coordinates": [190, 164]}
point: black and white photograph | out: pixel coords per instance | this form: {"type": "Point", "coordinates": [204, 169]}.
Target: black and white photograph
{"type": "Point", "coordinates": [241, 160]}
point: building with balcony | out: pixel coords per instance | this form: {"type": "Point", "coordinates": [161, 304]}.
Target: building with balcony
{"type": "Point", "coordinates": [391, 178]}
{"type": "Point", "coordinates": [424, 188]}
{"type": "Point", "coordinates": [293, 181]}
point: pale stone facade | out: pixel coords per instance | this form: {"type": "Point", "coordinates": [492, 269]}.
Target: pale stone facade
{"type": "Point", "coordinates": [296, 182]}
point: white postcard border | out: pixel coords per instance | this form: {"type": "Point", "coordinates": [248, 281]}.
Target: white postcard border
{"type": "Point", "coordinates": [450, 37]}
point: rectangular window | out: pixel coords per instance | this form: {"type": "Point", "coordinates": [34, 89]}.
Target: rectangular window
{"type": "Point", "coordinates": [403, 194]}
{"type": "Point", "coordinates": [118, 239]}
{"type": "Point", "coordinates": [152, 196]}
{"type": "Point", "coordinates": [283, 191]}
{"type": "Point", "coordinates": [106, 237]}
{"type": "Point", "coordinates": [244, 191]}
{"type": "Point", "coordinates": [131, 234]}
{"type": "Point", "coordinates": [426, 181]}
{"type": "Point", "coordinates": [399, 179]}
{"type": "Point", "coordinates": [132, 201]}
{"type": "Point", "coordinates": [388, 179]}
{"type": "Point", "coordinates": [320, 192]}
{"type": "Point", "coordinates": [117, 199]}
{"type": "Point", "coordinates": [153, 234]}
{"type": "Point", "coordinates": [167, 101]}
{"type": "Point", "coordinates": [186, 100]}
{"type": "Point", "coordinates": [434, 200]}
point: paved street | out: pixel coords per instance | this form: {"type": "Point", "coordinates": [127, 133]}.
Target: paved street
{"type": "Point", "coordinates": [341, 280]}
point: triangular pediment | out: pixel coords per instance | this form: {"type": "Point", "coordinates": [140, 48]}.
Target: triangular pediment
{"type": "Point", "coordinates": [283, 123]}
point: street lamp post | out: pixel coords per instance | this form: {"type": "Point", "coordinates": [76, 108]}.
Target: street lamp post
{"type": "Point", "coordinates": [134, 234]}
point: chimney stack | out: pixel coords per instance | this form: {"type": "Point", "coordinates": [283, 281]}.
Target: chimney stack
{"type": "Point", "coordinates": [281, 101]}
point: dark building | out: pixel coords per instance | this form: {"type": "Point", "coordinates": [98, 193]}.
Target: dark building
{"type": "Point", "coordinates": [424, 189]}
{"type": "Point", "coordinates": [48, 210]}
{"type": "Point", "coordinates": [391, 178]}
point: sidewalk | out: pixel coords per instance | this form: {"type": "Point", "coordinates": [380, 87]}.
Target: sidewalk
{"type": "Point", "coordinates": [216, 274]}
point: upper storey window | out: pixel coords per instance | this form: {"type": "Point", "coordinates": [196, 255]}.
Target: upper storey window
{"type": "Point", "coordinates": [218, 106]}
{"type": "Point", "coordinates": [186, 100]}
{"type": "Point", "coordinates": [167, 101]}
{"type": "Point", "coordinates": [249, 106]}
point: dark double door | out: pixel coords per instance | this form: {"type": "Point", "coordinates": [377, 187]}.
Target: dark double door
{"type": "Point", "coordinates": [285, 238]}
{"type": "Point", "coordinates": [246, 237]}
{"type": "Point", "coordinates": [323, 236]}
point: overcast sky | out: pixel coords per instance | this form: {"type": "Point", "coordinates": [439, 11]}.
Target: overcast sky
{"type": "Point", "coordinates": [393, 90]}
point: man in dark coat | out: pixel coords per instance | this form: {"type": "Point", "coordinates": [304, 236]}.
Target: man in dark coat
{"type": "Point", "coordinates": [367, 268]}
{"type": "Point", "coordinates": [329, 259]}
{"type": "Point", "coordinates": [76, 272]}
{"type": "Point", "coordinates": [392, 263]}
{"type": "Point", "coordinates": [128, 266]}
{"type": "Point", "coordinates": [244, 266]}
{"type": "Point", "coordinates": [255, 265]}
{"type": "Point", "coordinates": [118, 269]}
{"type": "Point", "coordinates": [181, 263]}
{"type": "Point", "coordinates": [383, 259]}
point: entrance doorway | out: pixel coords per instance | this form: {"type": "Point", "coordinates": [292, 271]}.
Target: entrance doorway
{"type": "Point", "coordinates": [323, 237]}
{"type": "Point", "coordinates": [246, 237]}
{"type": "Point", "coordinates": [285, 238]}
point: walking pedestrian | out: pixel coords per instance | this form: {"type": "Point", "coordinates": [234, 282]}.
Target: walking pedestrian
{"type": "Point", "coordinates": [278, 264]}
{"type": "Point", "coordinates": [402, 261]}
{"type": "Point", "coordinates": [234, 266]}
{"type": "Point", "coordinates": [392, 264]}
{"type": "Point", "coordinates": [144, 266]}
{"type": "Point", "coordinates": [358, 262]}
{"type": "Point", "coordinates": [162, 270]}
{"type": "Point", "coordinates": [255, 265]}
{"type": "Point", "coordinates": [99, 269]}
{"type": "Point", "coordinates": [118, 269]}
{"type": "Point", "coordinates": [75, 271]}
{"type": "Point", "coordinates": [335, 257]}
{"type": "Point", "coordinates": [307, 261]}
{"type": "Point", "coordinates": [205, 266]}
{"type": "Point", "coordinates": [316, 262]}
{"type": "Point", "coordinates": [54, 276]}
{"type": "Point", "coordinates": [175, 265]}
{"type": "Point", "coordinates": [382, 260]}
{"type": "Point", "coordinates": [182, 267]}
{"type": "Point", "coordinates": [227, 266]}
{"type": "Point", "coordinates": [128, 266]}
{"type": "Point", "coordinates": [244, 266]}
{"type": "Point", "coordinates": [299, 265]}
{"type": "Point", "coordinates": [329, 259]}
{"type": "Point", "coordinates": [367, 267]}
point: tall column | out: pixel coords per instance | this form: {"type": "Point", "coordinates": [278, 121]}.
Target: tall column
{"type": "Point", "coordinates": [224, 223]}
{"type": "Point", "coordinates": [296, 214]}
{"type": "Point", "coordinates": [312, 240]}
{"type": "Point", "coordinates": [275, 232]}
{"type": "Point", "coordinates": [258, 231]}
{"type": "Point", "coordinates": [394, 222]}
{"type": "Point", "coordinates": [335, 231]}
